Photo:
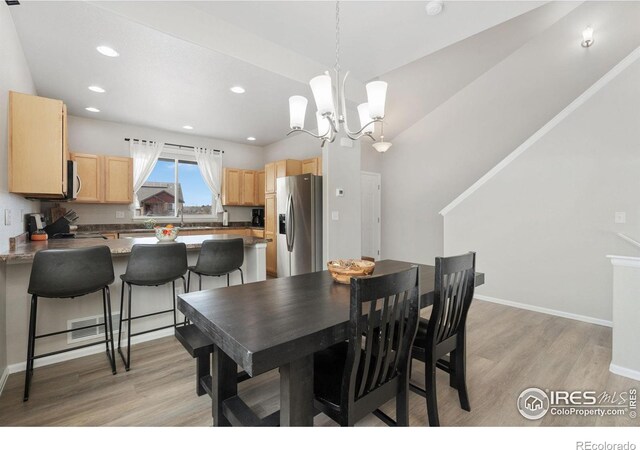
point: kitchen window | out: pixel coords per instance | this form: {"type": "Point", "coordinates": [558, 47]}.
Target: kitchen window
{"type": "Point", "coordinates": [175, 185]}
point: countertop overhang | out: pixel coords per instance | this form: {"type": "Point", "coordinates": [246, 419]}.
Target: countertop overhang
{"type": "Point", "coordinates": [24, 252]}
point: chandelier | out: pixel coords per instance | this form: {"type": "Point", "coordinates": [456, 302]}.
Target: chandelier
{"type": "Point", "coordinates": [331, 105]}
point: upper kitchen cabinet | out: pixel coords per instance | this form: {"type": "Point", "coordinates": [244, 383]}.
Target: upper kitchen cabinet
{"type": "Point", "coordinates": [249, 188]}
{"type": "Point", "coordinates": [37, 138]}
{"type": "Point", "coordinates": [312, 166]}
{"type": "Point", "coordinates": [90, 173]}
{"type": "Point", "coordinates": [232, 187]}
{"type": "Point", "coordinates": [278, 169]}
{"type": "Point", "coordinates": [118, 176]}
{"type": "Point", "coordinates": [104, 179]}
{"type": "Point", "coordinates": [260, 184]}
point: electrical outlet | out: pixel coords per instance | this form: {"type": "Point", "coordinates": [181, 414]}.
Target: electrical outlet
{"type": "Point", "coordinates": [7, 217]}
{"type": "Point", "coordinates": [620, 217]}
{"type": "Point", "coordinates": [339, 192]}
{"type": "Point", "coordinates": [22, 216]}
{"type": "Point", "coordinates": [335, 215]}
{"type": "Point", "coordinates": [119, 214]}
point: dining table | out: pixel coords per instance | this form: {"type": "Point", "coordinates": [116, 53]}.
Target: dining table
{"type": "Point", "coordinates": [278, 323]}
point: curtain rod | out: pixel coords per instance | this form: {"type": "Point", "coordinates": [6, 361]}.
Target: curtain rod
{"type": "Point", "coordinates": [172, 145]}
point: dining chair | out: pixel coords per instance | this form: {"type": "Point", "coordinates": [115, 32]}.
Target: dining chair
{"type": "Point", "coordinates": [444, 332]}
{"type": "Point", "coordinates": [354, 378]}
{"type": "Point", "coordinates": [218, 258]}
{"type": "Point", "coordinates": [69, 273]}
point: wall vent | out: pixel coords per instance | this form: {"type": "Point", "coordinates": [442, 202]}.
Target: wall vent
{"type": "Point", "coordinates": [92, 332]}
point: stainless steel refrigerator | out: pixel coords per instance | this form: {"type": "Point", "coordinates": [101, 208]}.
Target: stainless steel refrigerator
{"type": "Point", "coordinates": [299, 234]}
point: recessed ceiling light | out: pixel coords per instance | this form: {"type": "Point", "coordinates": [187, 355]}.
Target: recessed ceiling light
{"type": "Point", "coordinates": [238, 90]}
{"type": "Point", "coordinates": [92, 109]}
{"type": "Point", "coordinates": [97, 89]}
{"type": "Point", "coordinates": [107, 51]}
{"type": "Point", "coordinates": [251, 138]}
{"type": "Point", "coordinates": [188, 127]}
{"type": "Point", "coordinates": [434, 8]}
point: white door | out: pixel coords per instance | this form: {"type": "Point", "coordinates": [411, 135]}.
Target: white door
{"type": "Point", "coordinates": [370, 188]}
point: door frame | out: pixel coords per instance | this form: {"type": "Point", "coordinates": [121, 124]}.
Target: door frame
{"type": "Point", "coordinates": [379, 177]}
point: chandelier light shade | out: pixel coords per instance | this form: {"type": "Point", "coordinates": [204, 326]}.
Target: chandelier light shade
{"type": "Point", "coordinates": [323, 94]}
{"type": "Point", "coordinates": [331, 113]}
{"type": "Point", "coordinates": [376, 95]}
{"type": "Point", "coordinates": [365, 118]}
{"type": "Point", "coordinates": [297, 111]}
{"type": "Point", "coordinates": [323, 124]}
{"type": "Point", "coordinates": [381, 146]}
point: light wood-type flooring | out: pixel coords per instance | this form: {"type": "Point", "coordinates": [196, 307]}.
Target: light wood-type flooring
{"type": "Point", "coordinates": [509, 350]}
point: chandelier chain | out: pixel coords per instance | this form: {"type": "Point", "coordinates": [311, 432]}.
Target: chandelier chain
{"type": "Point", "coordinates": [337, 66]}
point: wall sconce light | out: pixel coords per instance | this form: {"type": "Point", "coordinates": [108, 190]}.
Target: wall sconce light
{"type": "Point", "coordinates": [587, 37]}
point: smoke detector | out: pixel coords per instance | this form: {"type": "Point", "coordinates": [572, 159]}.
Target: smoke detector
{"type": "Point", "coordinates": [434, 8]}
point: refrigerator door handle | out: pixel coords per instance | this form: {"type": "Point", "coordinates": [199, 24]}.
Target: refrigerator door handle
{"type": "Point", "coordinates": [293, 225]}
{"type": "Point", "coordinates": [289, 223]}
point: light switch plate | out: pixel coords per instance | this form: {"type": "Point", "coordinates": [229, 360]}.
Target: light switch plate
{"type": "Point", "coordinates": [620, 217]}
{"type": "Point", "coordinates": [339, 192]}
{"type": "Point", "coordinates": [335, 215]}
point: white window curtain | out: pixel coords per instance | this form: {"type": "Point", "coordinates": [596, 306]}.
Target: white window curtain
{"type": "Point", "coordinates": [145, 155]}
{"type": "Point", "coordinates": [210, 165]}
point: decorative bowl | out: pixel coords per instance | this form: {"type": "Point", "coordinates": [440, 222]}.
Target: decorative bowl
{"type": "Point", "coordinates": [343, 269]}
{"type": "Point", "coordinates": [166, 234]}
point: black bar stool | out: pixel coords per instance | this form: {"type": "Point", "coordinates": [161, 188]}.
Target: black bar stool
{"type": "Point", "coordinates": [218, 258]}
{"type": "Point", "coordinates": [151, 265]}
{"type": "Point", "coordinates": [68, 274]}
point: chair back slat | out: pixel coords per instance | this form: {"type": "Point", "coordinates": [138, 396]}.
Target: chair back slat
{"type": "Point", "coordinates": [454, 287]}
{"type": "Point", "coordinates": [383, 324]}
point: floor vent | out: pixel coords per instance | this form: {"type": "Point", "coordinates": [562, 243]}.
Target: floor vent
{"type": "Point", "coordinates": [92, 332]}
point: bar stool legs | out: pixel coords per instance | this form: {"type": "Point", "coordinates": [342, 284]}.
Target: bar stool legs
{"type": "Point", "coordinates": [31, 343]}
{"type": "Point", "coordinates": [200, 279]}
{"type": "Point", "coordinates": [127, 359]}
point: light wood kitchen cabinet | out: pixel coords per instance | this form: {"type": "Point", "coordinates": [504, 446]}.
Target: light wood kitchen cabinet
{"type": "Point", "coordinates": [38, 154]}
{"type": "Point", "coordinates": [278, 169]}
{"type": "Point", "coordinates": [118, 175]}
{"type": "Point", "coordinates": [272, 255]}
{"type": "Point", "coordinates": [260, 185]}
{"type": "Point", "coordinates": [232, 187]}
{"type": "Point", "coordinates": [90, 172]}
{"type": "Point", "coordinates": [257, 233]}
{"type": "Point", "coordinates": [104, 179]}
{"type": "Point", "coordinates": [249, 188]}
{"type": "Point", "coordinates": [312, 166]}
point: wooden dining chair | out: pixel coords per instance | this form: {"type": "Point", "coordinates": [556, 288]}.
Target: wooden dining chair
{"type": "Point", "coordinates": [354, 378]}
{"type": "Point", "coordinates": [444, 332]}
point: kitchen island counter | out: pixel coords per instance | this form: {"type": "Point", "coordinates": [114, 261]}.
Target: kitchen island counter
{"type": "Point", "coordinates": [15, 270]}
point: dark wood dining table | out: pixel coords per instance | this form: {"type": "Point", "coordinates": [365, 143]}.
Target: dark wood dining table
{"type": "Point", "coordinates": [278, 323]}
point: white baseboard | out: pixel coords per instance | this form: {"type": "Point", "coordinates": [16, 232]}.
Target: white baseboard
{"type": "Point", "coordinates": [553, 312]}
{"type": "Point", "coordinates": [623, 371]}
{"type": "Point", "coordinates": [21, 366]}
{"type": "Point", "coordinates": [3, 379]}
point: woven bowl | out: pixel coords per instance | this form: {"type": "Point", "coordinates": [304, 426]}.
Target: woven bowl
{"type": "Point", "coordinates": [343, 269]}
{"type": "Point", "coordinates": [164, 234]}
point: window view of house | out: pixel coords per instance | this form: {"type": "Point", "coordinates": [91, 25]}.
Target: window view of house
{"type": "Point", "coordinates": [167, 192]}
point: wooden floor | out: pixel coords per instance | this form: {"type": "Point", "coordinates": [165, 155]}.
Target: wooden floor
{"type": "Point", "coordinates": [508, 350]}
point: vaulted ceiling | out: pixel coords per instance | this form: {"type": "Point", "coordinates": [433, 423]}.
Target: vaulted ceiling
{"type": "Point", "coordinates": [179, 59]}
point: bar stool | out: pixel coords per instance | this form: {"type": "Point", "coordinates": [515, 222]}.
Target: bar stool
{"type": "Point", "coordinates": [68, 274]}
{"type": "Point", "coordinates": [151, 265]}
{"type": "Point", "coordinates": [218, 258]}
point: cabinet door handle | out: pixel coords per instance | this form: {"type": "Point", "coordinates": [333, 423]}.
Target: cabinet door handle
{"type": "Point", "coordinates": [79, 186]}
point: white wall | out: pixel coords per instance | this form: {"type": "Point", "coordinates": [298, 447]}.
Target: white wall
{"type": "Point", "coordinates": [543, 225]}
{"type": "Point", "coordinates": [14, 75]}
{"type": "Point", "coordinates": [341, 168]}
{"type": "Point", "coordinates": [440, 156]}
{"type": "Point", "coordinates": [107, 138]}
{"type": "Point", "coordinates": [296, 146]}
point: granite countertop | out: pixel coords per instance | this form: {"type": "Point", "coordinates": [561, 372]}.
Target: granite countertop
{"type": "Point", "coordinates": [25, 252]}
{"type": "Point", "coordinates": [187, 228]}
{"type": "Point", "coordinates": [138, 227]}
